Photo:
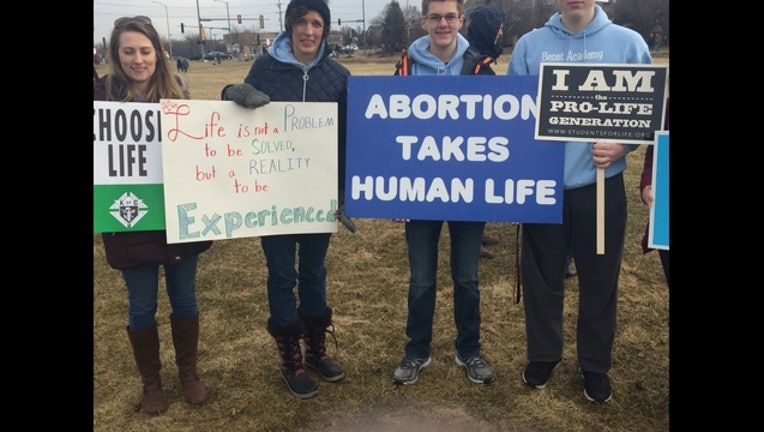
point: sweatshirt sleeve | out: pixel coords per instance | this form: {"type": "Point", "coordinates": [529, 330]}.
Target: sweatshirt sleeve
{"type": "Point", "coordinates": [647, 169]}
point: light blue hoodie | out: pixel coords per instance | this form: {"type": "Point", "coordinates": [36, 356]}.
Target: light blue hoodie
{"type": "Point", "coordinates": [281, 50]}
{"type": "Point", "coordinates": [599, 42]}
{"type": "Point", "coordinates": [426, 63]}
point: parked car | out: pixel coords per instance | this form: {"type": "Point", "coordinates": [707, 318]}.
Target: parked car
{"type": "Point", "coordinates": [347, 50]}
{"type": "Point", "coordinates": [213, 55]}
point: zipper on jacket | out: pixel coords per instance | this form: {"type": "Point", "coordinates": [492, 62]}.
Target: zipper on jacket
{"type": "Point", "coordinates": [305, 78]}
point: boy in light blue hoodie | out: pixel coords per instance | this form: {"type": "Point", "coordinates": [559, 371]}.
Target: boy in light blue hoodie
{"type": "Point", "coordinates": [580, 33]}
{"type": "Point", "coordinates": [441, 52]}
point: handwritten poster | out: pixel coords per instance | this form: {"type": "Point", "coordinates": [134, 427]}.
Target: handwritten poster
{"type": "Point", "coordinates": [232, 172]}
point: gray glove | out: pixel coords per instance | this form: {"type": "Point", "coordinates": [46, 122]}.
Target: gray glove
{"type": "Point", "coordinates": [246, 95]}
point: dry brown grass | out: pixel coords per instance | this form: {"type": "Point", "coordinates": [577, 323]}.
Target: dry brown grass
{"type": "Point", "coordinates": [367, 285]}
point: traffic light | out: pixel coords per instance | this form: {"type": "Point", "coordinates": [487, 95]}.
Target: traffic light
{"type": "Point", "coordinates": [201, 33]}
{"type": "Point", "coordinates": [339, 21]}
{"type": "Point", "coordinates": [182, 28]}
{"type": "Point", "coordinates": [262, 22]}
{"type": "Point", "coordinates": [238, 18]}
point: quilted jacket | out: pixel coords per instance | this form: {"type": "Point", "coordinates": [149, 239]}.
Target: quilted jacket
{"type": "Point", "coordinates": [127, 250]}
{"type": "Point", "coordinates": [324, 82]}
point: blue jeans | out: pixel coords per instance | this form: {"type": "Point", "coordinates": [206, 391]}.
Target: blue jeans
{"type": "Point", "coordinates": [309, 277]}
{"type": "Point", "coordinates": [143, 287]}
{"type": "Point", "coordinates": [422, 238]}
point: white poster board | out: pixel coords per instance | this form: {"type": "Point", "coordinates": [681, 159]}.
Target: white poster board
{"type": "Point", "coordinates": [233, 172]}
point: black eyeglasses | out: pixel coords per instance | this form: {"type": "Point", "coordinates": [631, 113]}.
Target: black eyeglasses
{"type": "Point", "coordinates": [119, 22]}
{"type": "Point", "coordinates": [435, 18]}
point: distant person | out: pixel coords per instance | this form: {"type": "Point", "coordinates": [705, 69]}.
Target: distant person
{"type": "Point", "coordinates": [486, 31]}
{"type": "Point", "coordinates": [579, 30]}
{"type": "Point", "coordinates": [646, 192]}
{"type": "Point", "coordinates": [442, 52]}
{"type": "Point", "coordinates": [184, 63]}
{"type": "Point", "coordinates": [298, 68]}
{"type": "Point", "coordinates": [138, 72]}
{"type": "Point", "coordinates": [179, 64]}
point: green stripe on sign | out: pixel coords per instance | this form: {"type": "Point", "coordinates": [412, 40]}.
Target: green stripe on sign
{"type": "Point", "coordinates": [128, 208]}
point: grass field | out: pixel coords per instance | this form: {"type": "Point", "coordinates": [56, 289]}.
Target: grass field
{"type": "Point", "coordinates": [367, 287]}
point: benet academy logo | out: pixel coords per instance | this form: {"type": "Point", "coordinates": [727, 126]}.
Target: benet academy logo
{"type": "Point", "coordinates": [128, 209]}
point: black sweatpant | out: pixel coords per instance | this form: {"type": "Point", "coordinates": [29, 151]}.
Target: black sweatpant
{"type": "Point", "coordinates": [542, 266]}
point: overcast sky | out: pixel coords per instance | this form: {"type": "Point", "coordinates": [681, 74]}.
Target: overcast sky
{"type": "Point", "coordinates": [185, 11]}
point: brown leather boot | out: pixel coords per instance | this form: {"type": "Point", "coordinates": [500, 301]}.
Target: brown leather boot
{"type": "Point", "coordinates": [185, 337]}
{"type": "Point", "coordinates": [145, 345]}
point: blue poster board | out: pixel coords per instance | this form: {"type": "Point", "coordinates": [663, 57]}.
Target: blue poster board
{"type": "Point", "coordinates": [658, 237]}
{"type": "Point", "coordinates": [456, 148]}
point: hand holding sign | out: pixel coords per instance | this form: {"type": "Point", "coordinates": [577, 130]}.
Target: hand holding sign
{"type": "Point", "coordinates": [245, 95]}
{"type": "Point", "coordinates": [601, 103]}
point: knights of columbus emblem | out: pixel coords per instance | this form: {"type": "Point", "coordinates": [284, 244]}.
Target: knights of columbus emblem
{"type": "Point", "coordinates": [128, 209]}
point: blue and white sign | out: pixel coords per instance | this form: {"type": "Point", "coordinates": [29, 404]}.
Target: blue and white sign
{"type": "Point", "coordinates": [450, 148]}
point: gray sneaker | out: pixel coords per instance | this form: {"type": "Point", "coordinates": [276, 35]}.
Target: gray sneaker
{"type": "Point", "coordinates": [407, 371]}
{"type": "Point", "coordinates": [478, 370]}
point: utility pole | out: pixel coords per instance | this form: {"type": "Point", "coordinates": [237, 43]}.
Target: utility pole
{"type": "Point", "coordinates": [281, 23]}
{"type": "Point", "coordinates": [363, 16]}
{"type": "Point", "coordinates": [167, 18]}
{"type": "Point", "coordinates": [228, 14]}
{"type": "Point", "coordinates": [199, 18]}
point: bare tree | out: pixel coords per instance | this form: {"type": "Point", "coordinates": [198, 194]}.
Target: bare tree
{"type": "Point", "coordinates": [647, 17]}
{"type": "Point", "coordinates": [413, 18]}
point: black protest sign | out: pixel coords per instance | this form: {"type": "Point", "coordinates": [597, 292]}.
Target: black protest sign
{"type": "Point", "coordinates": [589, 102]}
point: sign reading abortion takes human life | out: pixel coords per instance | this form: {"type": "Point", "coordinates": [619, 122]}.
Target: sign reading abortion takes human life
{"type": "Point", "coordinates": [232, 172]}
{"type": "Point", "coordinates": [449, 148]}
